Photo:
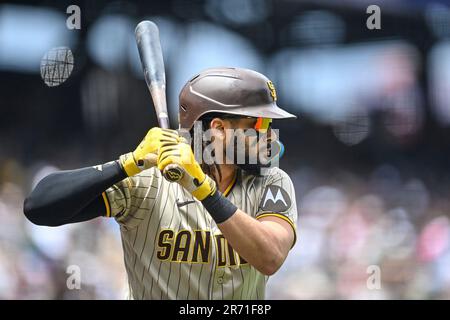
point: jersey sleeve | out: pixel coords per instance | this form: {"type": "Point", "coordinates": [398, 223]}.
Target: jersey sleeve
{"type": "Point", "coordinates": [124, 200]}
{"type": "Point", "coordinates": [278, 199]}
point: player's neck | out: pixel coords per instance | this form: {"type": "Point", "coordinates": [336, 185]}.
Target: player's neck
{"type": "Point", "coordinates": [228, 172]}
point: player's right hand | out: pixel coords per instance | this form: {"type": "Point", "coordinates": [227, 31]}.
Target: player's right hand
{"type": "Point", "coordinates": [194, 180]}
{"type": "Point", "coordinates": [146, 154]}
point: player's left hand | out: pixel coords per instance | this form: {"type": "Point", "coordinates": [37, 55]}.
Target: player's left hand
{"type": "Point", "coordinates": [199, 184]}
{"type": "Point", "coordinates": [145, 155]}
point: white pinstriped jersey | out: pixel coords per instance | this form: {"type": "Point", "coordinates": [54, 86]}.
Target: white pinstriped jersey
{"type": "Point", "coordinates": [173, 249]}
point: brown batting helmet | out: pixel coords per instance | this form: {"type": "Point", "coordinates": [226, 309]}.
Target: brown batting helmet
{"type": "Point", "coordinates": [233, 91]}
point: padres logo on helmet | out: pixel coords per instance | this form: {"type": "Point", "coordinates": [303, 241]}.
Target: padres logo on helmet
{"type": "Point", "coordinates": [273, 92]}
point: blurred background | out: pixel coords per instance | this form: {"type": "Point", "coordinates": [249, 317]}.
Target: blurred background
{"type": "Point", "coordinates": [368, 154]}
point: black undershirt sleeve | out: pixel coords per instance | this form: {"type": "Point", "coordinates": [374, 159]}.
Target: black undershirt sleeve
{"type": "Point", "coordinates": [71, 196]}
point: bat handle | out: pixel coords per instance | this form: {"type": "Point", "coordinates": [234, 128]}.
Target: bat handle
{"type": "Point", "coordinates": [173, 172]}
{"type": "Point", "coordinates": [164, 122]}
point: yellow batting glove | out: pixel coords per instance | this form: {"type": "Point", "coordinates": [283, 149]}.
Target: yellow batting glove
{"type": "Point", "coordinates": [145, 155]}
{"type": "Point", "coordinates": [194, 179]}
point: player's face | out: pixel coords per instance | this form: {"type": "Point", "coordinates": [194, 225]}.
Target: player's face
{"type": "Point", "coordinates": [255, 135]}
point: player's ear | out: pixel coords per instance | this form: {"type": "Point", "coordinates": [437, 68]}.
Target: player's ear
{"type": "Point", "coordinates": [218, 125]}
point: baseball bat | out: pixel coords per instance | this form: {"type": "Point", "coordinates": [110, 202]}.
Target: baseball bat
{"type": "Point", "coordinates": [150, 53]}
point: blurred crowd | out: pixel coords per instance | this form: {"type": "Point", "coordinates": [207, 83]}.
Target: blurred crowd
{"type": "Point", "coordinates": [39, 262]}
{"type": "Point", "coordinates": [381, 236]}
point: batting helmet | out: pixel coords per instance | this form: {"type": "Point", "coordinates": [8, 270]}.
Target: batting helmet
{"type": "Point", "coordinates": [233, 91]}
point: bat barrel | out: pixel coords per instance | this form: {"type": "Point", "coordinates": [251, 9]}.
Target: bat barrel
{"type": "Point", "coordinates": [150, 52]}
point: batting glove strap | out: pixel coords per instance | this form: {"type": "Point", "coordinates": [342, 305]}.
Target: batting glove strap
{"type": "Point", "coordinates": [204, 189]}
{"type": "Point", "coordinates": [129, 165]}
{"type": "Point", "coordinates": [219, 207]}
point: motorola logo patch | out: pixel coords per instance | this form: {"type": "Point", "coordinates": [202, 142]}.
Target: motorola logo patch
{"type": "Point", "coordinates": [275, 199]}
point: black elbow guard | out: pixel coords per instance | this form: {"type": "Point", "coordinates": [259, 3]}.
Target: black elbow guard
{"type": "Point", "coordinates": [71, 196]}
{"type": "Point", "coordinates": [31, 212]}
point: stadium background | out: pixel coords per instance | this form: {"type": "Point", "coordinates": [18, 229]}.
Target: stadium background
{"type": "Point", "coordinates": [368, 155]}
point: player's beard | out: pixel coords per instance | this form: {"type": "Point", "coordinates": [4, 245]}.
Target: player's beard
{"type": "Point", "coordinates": [271, 149]}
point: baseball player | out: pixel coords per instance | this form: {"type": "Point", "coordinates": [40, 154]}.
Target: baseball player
{"type": "Point", "coordinates": [218, 233]}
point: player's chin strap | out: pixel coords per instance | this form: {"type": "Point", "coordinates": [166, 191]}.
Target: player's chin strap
{"type": "Point", "coordinates": [255, 169]}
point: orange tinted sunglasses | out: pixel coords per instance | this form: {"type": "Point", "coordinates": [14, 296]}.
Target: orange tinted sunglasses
{"type": "Point", "coordinates": [263, 124]}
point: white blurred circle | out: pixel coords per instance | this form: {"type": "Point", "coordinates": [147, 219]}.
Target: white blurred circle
{"type": "Point", "coordinates": [109, 40]}
{"type": "Point", "coordinates": [57, 66]}
{"type": "Point", "coordinates": [354, 128]}
{"type": "Point", "coordinates": [238, 12]}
